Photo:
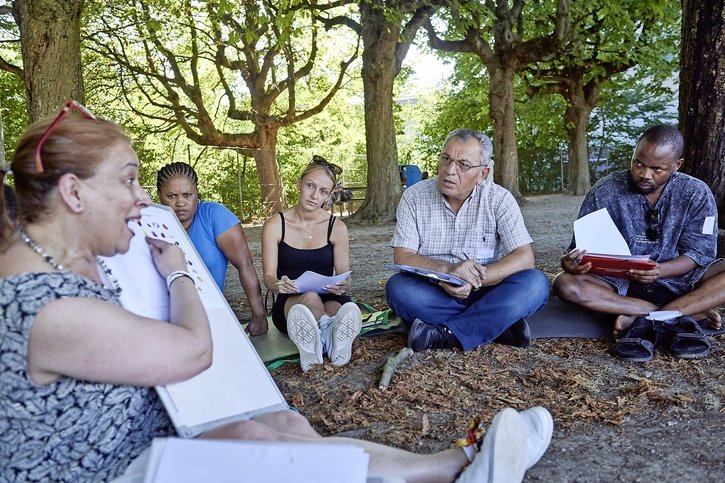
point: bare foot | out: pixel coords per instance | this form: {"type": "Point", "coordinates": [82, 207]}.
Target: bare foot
{"type": "Point", "coordinates": [622, 323]}
{"type": "Point", "coordinates": [714, 320]}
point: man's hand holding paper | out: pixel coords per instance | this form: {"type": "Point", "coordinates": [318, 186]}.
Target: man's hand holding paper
{"type": "Point", "coordinates": [571, 261]}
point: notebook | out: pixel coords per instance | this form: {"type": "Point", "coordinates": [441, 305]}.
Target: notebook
{"type": "Point", "coordinates": [617, 265]}
{"type": "Point", "coordinates": [237, 386]}
{"type": "Point", "coordinates": [429, 274]}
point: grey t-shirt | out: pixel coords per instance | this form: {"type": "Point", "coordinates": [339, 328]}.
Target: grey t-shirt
{"type": "Point", "coordinates": [687, 223]}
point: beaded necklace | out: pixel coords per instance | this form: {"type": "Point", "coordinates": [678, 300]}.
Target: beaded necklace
{"type": "Point", "coordinates": [114, 286]}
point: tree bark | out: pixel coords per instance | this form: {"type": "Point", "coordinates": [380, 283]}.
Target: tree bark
{"type": "Point", "coordinates": [380, 39]}
{"type": "Point", "coordinates": [50, 45]}
{"type": "Point", "coordinates": [2, 139]}
{"type": "Point", "coordinates": [503, 118]}
{"type": "Point", "coordinates": [265, 158]}
{"type": "Point", "coordinates": [702, 94]}
{"type": "Point", "coordinates": [579, 108]}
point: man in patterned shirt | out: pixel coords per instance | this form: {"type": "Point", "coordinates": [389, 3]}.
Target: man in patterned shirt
{"type": "Point", "coordinates": [462, 224]}
{"type": "Point", "coordinates": [668, 215]}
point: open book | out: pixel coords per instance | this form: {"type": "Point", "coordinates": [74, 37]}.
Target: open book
{"type": "Point", "coordinates": [237, 386]}
{"type": "Point", "coordinates": [617, 265]}
{"type": "Point", "coordinates": [600, 237]}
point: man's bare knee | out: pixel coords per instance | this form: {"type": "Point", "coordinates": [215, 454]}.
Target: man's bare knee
{"type": "Point", "coordinates": [565, 287]}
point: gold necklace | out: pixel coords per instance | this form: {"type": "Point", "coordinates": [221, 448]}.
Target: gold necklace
{"type": "Point", "coordinates": [302, 225]}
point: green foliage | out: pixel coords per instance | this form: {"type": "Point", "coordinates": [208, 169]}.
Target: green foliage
{"type": "Point", "coordinates": [627, 107]}
{"type": "Point", "coordinates": [541, 143]}
{"type": "Point", "coordinates": [464, 104]}
{"type": "Point", "coordinates": [14, 111]}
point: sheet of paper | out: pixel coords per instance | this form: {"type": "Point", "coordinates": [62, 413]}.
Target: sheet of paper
{"type": "Point", "coordinates": [175, 460]}
{"type": "Point", "coordinates": [597, 233]}
{"type": "Point", "coordinates": [664, 314]}
{"type": "Point", "coordinates": [314, 282]}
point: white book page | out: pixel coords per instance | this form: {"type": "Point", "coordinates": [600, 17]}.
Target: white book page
{"type": "Point", "coordinates": [236, 383]}
{"type": "Point", "coordinates": [144, 291]}
{"type": "Point", "coordinates": [597, 233]}
{"type": "Point", "coordinates": [175, 460]}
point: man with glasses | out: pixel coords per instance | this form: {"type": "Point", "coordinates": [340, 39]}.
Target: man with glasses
{"type": "Point", "coordinates": [670, 216]}
{"type": "Point", "coordinates": [462, 224]}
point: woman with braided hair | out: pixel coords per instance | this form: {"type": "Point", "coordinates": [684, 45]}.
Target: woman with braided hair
{"type": "Point", "coordinates": [216, 234]}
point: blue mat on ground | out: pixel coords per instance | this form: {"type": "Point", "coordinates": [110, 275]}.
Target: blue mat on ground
{"type": "Point", "coordinates": [560, 320]}
{"type": "Point", "coordinates": [557, 319]}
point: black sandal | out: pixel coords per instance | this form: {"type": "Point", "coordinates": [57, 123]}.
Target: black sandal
{"type": "Point", "coordinates": [687, 340]}
{"type": "Point", "coordinates": [639, 342]}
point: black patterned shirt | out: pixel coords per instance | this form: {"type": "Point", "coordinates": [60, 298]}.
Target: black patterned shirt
{"type": "Point", "coordinates": [69, 430]}
{"type": "Point", "coordinates": [687, 223]}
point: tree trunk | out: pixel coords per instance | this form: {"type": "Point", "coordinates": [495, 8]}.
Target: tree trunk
{"type": "Point", "coordinates": [702, 94]}
{"type": "Point", "coordinates": [577, 122]}
{"type": "Point", "coordinates": [50, 44]}
{"type": "Point", "coordinates": [2, 138]}
{"type": "Point", "coordinates": [503, 118]}
{"type": "Point", "coordinates": [380, 39]}
{"type": "Point", "coordinates": [265, 158]}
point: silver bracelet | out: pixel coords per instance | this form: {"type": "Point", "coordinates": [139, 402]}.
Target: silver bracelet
{"type": "Point", "coordinates": [173, 276]}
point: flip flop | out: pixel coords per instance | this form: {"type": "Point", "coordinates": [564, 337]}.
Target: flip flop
{"type": "Point", "coordinates": [688, 340]}
{"type": "Point", "coordinates": [638, 343]}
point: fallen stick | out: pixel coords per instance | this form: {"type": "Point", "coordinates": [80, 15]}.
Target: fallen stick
{"type": "Point", "coordinates": [392, 365]}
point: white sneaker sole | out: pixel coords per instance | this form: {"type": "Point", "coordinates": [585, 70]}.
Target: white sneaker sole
{"type": "Point", "coordinates": [303, 331]}
{"type": "Point", "coordinates": [348, 323]}
{"type": "Point", "coordinates": [539, 427]}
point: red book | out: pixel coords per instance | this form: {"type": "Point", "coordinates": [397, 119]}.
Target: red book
{"type": "Point", "coordinates": [617, 265]}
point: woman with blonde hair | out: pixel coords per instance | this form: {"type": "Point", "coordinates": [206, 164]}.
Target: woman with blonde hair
{"type": "Point", "coordinates": [306, 237]}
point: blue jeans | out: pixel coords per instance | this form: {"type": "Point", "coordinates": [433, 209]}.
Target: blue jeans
{"type": "Point", "coordinates": [477, 319]}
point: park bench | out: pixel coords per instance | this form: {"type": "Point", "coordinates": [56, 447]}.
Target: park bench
{"type": "Point", "coordinates": [347, 205]}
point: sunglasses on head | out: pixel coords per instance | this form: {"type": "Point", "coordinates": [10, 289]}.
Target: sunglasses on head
{"type": "Point", "coordinates": [652, 217]}
{"type": "Point", "coordinates": [65, 110]}
{"type": "Point", "coordinates": [320, 161]}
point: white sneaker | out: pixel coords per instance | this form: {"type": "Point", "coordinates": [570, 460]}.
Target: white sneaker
{"type": "Point", "coordinates": [348, 323]}
{"type": "Point", "coordinates": [539, 427]}
{"type": "Point", "coordinates": [303, 331]}
{"type": "Point", "coordinates": [502, 457]}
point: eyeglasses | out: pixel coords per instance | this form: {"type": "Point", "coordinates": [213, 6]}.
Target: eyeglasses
{"type": "Point", "coordinates": [320, 161]}
{"type": "Point", "coordinates": [65, 110]}
{"type": "Point", "coordinates": [652, 217]}
{"type": "Point", "coordinates": [462, 164]}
